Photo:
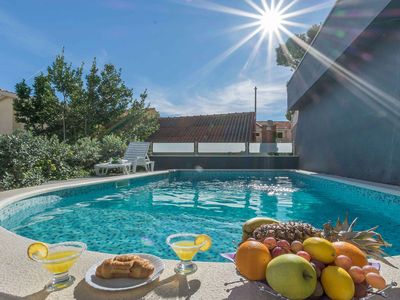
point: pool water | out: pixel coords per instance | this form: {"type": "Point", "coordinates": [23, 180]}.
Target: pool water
{"type": "Point", "coordinates": [137, 215]}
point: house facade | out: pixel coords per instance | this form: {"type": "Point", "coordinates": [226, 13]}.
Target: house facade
{"type": "Point", "coordinates": [346, 94]}
{"type": "Point", "coordinates": [8, 124]}
{"type": "Point", "coordinates": [273, 132]}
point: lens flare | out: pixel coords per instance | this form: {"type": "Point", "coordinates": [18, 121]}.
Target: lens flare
{"type": "Point", "coordinates": [269, 20]}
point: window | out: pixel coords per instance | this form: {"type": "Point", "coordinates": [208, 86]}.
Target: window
{"type": "Point", "coordinates": [279, 135]}
{"type": "Point", "coordinates": [257, 134]}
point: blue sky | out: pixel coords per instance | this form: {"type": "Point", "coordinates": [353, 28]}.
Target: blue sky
{"type": "Point", "coordinates": [174, 48]}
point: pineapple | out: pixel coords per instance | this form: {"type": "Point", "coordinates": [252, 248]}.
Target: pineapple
{"type": "Point", "coordinates": [290, 231]}
{"type": "Point", "coordinates": [368, 241]}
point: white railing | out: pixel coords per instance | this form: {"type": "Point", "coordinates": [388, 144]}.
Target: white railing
{"type": "Point", "coordinates": [173, 147]}
{"type": "Point", "coordinates": [223, 148]}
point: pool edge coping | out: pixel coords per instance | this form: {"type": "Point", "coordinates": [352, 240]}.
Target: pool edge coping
{"type": "Point", "coordinates": [370, 185]}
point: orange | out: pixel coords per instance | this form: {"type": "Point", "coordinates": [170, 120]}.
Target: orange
{"type": "Point", "coordinates": [251, 260]}
{"type": "Point", "coordinates": [358, 257]}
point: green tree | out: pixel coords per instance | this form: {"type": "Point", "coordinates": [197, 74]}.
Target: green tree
{"type": "Point", "coordinates": [138, 123]}
{"type": "Point", "coordinates": [291, 53]}
{"type": "Point", "coordinates": [38, 112]}
{"type": "Point", "coordinates": [68, 82]}
{"type": "Point", "coordinates": [115, 96]}
{"type": "Point", "coordinates": [104, 102]}
{"type": "Point", "coordinates": [289, 115]}
{"type": "Point", "coordinates": [92, 98]}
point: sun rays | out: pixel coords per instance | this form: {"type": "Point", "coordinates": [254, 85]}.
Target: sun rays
{"type": "Point", "coordinates": [268, 21]}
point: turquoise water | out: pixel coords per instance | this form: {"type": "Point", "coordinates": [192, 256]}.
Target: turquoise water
{"type": "Point", "coordinates": [137, 215]}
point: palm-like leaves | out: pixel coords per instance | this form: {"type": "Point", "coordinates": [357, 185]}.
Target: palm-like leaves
{"type": "Point", "coordinates": [369, 241]}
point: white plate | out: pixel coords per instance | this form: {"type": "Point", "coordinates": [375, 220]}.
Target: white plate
{"type": "Point", "coordinates": [121, 284]}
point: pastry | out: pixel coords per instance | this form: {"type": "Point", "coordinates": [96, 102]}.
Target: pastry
{"type": "Point", "coordinates": [127, 265]}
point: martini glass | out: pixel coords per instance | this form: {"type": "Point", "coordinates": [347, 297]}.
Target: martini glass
{"type": "Point", "coordinates": [185, 248]}
{"type": "Point", "coordinates": [60, 258]}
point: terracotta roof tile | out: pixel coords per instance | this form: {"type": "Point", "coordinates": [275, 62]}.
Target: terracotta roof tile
{"type": "Point", "coordinates": [234, 127]}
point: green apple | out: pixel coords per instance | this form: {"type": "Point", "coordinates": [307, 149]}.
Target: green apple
{"type": "Point", "coordinates": [291, 276]}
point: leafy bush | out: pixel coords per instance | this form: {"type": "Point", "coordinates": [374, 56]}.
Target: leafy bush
{"type": "Point", "coordinates": [112, 146]}
{"type": "Point", "coordinates": [26, 159]}
{"type": "Point", "coordinates": [19, 160]}
{"type": "Point", "coordinates": [85, 153]}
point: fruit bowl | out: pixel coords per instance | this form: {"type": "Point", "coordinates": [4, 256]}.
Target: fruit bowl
{"type": "Point", "coordinates": [265, 288]}
{"type": "Point", "coordinates": [294, 260]}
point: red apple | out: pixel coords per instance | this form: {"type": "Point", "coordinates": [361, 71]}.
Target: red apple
{"type": "Point", "coordinates": [270, 242]}
{"type": "Point", "coordinates": [283, 244]}
{"type": "Point", "coordinates": [278, 251]}
{"type": "Point", "coordinates": [296, 246]}
{"type": "Point", "coordinates": [304, 255]}
{"type": "Point", "coordinates": [318, 264]}
{"type": "Point", "coordinates": [317, 270]}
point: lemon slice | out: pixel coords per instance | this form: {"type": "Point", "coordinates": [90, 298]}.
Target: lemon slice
{"type": "Point", "coordinates": [203, 238]}
{"type": "Point", "coordinates": [37, 251]}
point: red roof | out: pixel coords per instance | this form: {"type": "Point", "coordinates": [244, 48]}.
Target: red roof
{"type": "Point", "coordinates": [234, 127]}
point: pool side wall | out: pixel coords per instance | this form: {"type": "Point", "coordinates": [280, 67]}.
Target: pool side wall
{"type": "Point", "coordinates": [225, 162]}
{"type": "Point", "coordinates": [346, 126]}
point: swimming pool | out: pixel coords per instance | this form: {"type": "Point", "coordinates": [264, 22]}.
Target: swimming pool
{"type": "Point", "coordinates": [137, 215]}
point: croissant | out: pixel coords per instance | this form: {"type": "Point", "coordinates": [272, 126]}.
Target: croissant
{"type": "Point", "coordinates": [128, 265]}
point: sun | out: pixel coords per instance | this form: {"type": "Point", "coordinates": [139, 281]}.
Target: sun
{"type": "Point", "coordinates": [271, 21]}
{"type": "Point", "coordinates": [268, 22]}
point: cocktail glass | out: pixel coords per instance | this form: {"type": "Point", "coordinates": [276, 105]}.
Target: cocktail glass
{"type": "Point", "coordinates": [60, 258]}
{"type": "Point", "coordinates": [185, 248]}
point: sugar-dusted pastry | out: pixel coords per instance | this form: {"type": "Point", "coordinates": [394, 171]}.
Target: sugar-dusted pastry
{"type": "Point", "coordinates": [128, 265]}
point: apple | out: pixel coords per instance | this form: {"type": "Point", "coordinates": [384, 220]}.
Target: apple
{"type": "Point", "coordinates": [270, 242]}
{"type": "Point", "coordinates": [283, 244]}
{"type": "Point", "coordinates": [317, 270]}
{"type": "Point", "coordinates": [296, 246]}
{"type": "Point", "coordinates": [318, 264]}
{"type": "Point", "coordinates": [291, 276]}
{"type": "Point", "coordinates": [278, 251]}
{"type": "Point", "coordinates": [304, 255]}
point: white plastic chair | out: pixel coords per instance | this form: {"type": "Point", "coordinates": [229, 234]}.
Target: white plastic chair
{"type": "Point", "coordinates": [137, 155]}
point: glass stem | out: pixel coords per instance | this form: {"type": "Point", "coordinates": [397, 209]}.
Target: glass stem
{"type": "Point", "coordinates": [60, 277]}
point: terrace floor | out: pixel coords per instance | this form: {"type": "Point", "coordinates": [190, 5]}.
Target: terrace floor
{"type": "Point", "coordinates": [21, 278]}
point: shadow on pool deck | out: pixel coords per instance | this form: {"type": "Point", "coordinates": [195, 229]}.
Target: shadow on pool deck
{"type": "Point", "coordinates": [40, 295]}
{"type": "Point", "coordinates": [175, 286]}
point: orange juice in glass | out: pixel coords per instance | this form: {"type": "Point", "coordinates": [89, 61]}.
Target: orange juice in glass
{"type": "Point", "coordinates": [186, 246]}
{"type": "Point", "coordinates": [58, 259]}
